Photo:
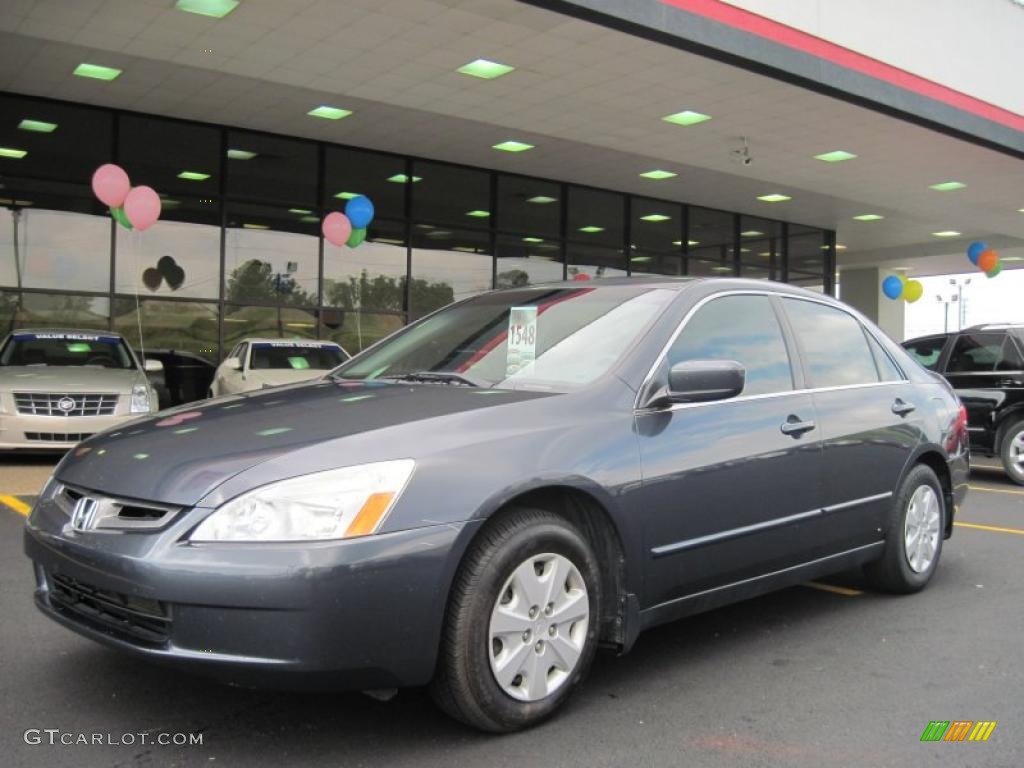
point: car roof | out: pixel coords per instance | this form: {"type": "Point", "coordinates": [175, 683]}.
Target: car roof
{"type": "Point", "coordinates": [679, 284]}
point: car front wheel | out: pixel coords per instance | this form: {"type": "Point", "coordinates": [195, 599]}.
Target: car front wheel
{"type": "Point", "coordinates": [522, 623]}
{"type": "Point", "coordinates": [1011, 451]}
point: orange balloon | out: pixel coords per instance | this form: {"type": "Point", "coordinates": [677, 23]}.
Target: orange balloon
{"type": "Point", "coordinates": [987, 259]}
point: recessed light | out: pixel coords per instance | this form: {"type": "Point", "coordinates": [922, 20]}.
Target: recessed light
{"type": "Point", "coordinates": [688, 242]}
{"type": "Point", "coordinates": [247, 225]}
{"type": "Point", "coordinates": [775, 197]}
{"type": "Point", "coordinates": [1011, 258]}
{"type": "Point", "coordinates": [721, 269]}
{"type": "Point", "coordinates": [868, 217]}
{"type": "Point", "coordinates": [835, 156]}
{"type": "Point", "coordinates": [399, 178]}
{"type": "Point", "coordinates": [478, 214]}
{"type": "Point", "coordinates": [590, 229]}
{"type": "Point", "coordinates": [485, 69]}
{"type": "Point", "coordinates": [97, 72]}
{"type": "Point", "coordinates": [640, 259]}
{"type": "Point", "coordinates": [15, 154]}
{"type": "Point", "coordinates": [348, 195]}
{"type": "Point", "coordinates": [751, 233]}
{"type": "Point", "coordinates": [838, 247]}
{"type": "Point", "coordinates": [657, 175]}
{"type": "Point", "coordinates": [765, 253]}
{"type": "Point", "coordinates": [533, 240]}
{"type": "Point", "coordinates": [541, 199]}
{"type": "Point", "coordinates": [655, 217]}
{"type": "Point", "coordinates": [686, 117]}
{"type": "Point", "coordinates": [303, 211]}
{"type": "Point", "coordinates": [1020, 210]}
{"type": "Point", "coordinates": [218, 9]}
{"type": "Point", "coordinates": [37, 126]}
{"type": "Point", "coordinates": [512, 146]}
{"type": "Point", "coordinates": [329, 113]}
{"type": "Point", "coordinates": [240, 154]}
{"type": "Point", "coordinates": [947, 233]}
{"type": "Point", "coordinates": [193, 176]}
{"type": "Point", "coordinates": [947, 186]}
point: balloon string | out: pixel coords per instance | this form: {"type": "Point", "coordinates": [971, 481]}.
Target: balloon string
{"type": "Point", "coordinates": [136, 236]}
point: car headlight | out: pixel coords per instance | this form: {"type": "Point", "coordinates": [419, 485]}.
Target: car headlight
{"type": "Point", "coordinates": [335, 504]}
{"type": "Point", "coordinates": [140, 399]}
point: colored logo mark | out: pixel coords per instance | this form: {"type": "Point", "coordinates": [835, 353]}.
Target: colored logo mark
{"type": "Point", "coordinates": [958, 730]}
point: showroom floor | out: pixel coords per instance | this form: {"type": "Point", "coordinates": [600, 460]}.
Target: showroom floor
{"type": "Point", "coordinates": [760, 683]}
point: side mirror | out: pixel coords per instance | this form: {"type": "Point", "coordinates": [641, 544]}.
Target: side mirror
{"type": "Point", "coordinates": [233, 364]}
{"type": "Point", "coordinates": [153, 366]}
{"type": "Point", "coordinates": [700, 381]}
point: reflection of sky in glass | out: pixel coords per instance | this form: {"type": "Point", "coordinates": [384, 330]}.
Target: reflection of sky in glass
{"type": "Point", "coordinates": [740, 328]}
{"type": "Point", "coordinates": [837, 351]}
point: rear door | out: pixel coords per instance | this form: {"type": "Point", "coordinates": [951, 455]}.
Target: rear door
{"type": "Point", "coordinates": [869, 417]}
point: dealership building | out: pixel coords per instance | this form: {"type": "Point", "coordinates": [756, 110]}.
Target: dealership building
{"type": "Point", "coordinates": [502, 143]}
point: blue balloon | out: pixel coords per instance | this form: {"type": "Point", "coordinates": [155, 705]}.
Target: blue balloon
{"type": "Point", "coordinates": [892, 287]}
{"type": "Point", "coordinates": [359, 211]}
{"type": "Point", "coordinates": [974, 251]}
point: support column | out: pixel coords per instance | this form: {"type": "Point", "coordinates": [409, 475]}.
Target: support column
{"type": "Point", "coordinates": [861, 288]}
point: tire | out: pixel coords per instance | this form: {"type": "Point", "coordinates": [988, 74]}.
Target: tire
{"type": "Point", "coordinates": [1011, 451]}
{"type": "Point", "coordinates": [488, 607]}
{"type": "Point", "coordinates": [908, 561]}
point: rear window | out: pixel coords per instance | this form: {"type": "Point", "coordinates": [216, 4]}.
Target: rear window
{"type": "Point", "coordinates": [66, 350]}
{"type": "Point", "coordinates": [295, 356]}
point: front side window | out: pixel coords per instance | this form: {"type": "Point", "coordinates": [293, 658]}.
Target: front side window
{"type": "Point", "coordinates": [740, 328]}
{"type": "Point", "coordinates": [834, 345]}
{"type": "Point", "coordinates": [65, 350]}
{"type": "Point", "coordinates": [984, 353]}
{"type": "Point", "coordinates": [927, 351]}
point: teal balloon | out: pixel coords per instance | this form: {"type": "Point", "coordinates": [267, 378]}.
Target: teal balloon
{"type": "Point", "coordinates": [359, 211]}
{"type": "Point", "coordinates": [892, 287]}
{"type": "Point", "coordinates": [356, 238]}
{"type": "Point", "coordinates": [120, 217]}
{"type": "Point", "coordinates": [974, 250]}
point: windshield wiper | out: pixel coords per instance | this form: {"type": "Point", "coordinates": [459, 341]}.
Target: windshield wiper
{"type": "Point", "coordinates": [441, 377]}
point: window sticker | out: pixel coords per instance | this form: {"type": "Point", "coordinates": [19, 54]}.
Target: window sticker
{"type": "Point", "coordinates": [293, 345]}
{"type": "Point", "coordinates": [298, 363]}
{"type": "Point", "coordinates": [522, 339]}
{"type": "Point", "coordinates": [67, 337]}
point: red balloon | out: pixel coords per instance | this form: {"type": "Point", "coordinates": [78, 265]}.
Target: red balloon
{"type": "Point", "coordinates": [336, 228]}
{"type": "Point", "coordinates": [987, 260]}
{"type": "Point", "coordinates": [110, 184]}
{"type": "Point", "coordinates": [142, 207]}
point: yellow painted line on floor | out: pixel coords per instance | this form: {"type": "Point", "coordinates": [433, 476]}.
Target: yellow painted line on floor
{"type": "Point", "coordinates": [16, 504]}
{"type": "Point", "coordinates": [995, 490]}
{"type": "Point", "coordinates": [994, 528]}
{"type": "Point", "coordinates": [845, 591]}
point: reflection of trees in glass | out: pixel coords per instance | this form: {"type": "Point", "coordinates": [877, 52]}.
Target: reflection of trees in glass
{"type": "Point", "coordinates": [385, 293]}
{"type": "Point", "coordinates": [513, 278]}
{"type": "Point", "coordinates": [255, 282]}
{"type": "Point", "coordinates": [42, 310]}
{"type": "Point", "coordinates": [179, 325]}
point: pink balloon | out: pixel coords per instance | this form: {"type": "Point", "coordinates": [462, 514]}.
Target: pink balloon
{"type": "Point", "coordinates": [111, 185]}
{"type": "Point", "coordinates": [337, 228]}
{"type": "Point", "coordinates": [142, 207]}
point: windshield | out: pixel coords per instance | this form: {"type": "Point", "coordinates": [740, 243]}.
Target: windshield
{"type": "Point", "coordinates": [294, 356]}
{"type": "Point", "coordinates": [540, 338]}
{"type": "Point", "coordinates": [66, 349]}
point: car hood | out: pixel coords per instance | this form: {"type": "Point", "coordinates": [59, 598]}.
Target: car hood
{"type": "Point", "coordinates": [67, 378]}
{"type": "Point", "coordinates": [277, 376]}
{"type": "Point", "coordinates": [180, 455]}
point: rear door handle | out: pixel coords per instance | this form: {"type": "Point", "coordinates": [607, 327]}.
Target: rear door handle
{"type": "Point", "coordinates": [794, 427]}
{"type": "Point", "coordinates": [1010, 383]}
{"type": "Point", "coordinates": [901, 408]}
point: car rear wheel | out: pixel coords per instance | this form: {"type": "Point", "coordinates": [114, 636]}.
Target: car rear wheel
{"type": "Point", "coordinates": [1011, 451]}
{"type": "Point", "coordinates": [913, 541]}
{"type": "Point", "coordinates": [522, 622]}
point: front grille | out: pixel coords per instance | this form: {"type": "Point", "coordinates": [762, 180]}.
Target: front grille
{"type": "Point", "coordinates": [57, 437]}
{"type": "Point", "coordinates": [68, 404]}
{"type": "Point", "coordinates": [129, 617]}
{"type": "Point", "coordinates": [112, 513]}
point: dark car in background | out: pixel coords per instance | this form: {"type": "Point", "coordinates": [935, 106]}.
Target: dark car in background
{"type": "Point", "coordinates": [485, 497]}
{"type": "Point", "coordinates": [185, 376]}
{"type": "Point", "coordinates": [985, 364]}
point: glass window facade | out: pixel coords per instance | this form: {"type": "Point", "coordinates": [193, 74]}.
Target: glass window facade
{"type": "Point", "coordinates": [239, 249]}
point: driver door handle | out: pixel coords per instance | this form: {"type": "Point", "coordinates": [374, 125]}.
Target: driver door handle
{"type": "Point", "coordinates": [901, 408]}
{"type": "Point", "coordinates": [794, 427]}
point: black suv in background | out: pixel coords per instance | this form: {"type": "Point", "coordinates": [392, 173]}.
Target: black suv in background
{"type": "Point", "coordinates": [985, 364]}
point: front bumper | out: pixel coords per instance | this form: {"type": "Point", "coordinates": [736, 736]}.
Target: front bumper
{"type": "Point", "coordinates": [363, 613]}
{"type": "Point", "coordinates": [19, 431]}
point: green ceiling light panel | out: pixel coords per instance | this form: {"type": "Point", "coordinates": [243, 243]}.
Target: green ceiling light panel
{"type": "Point", "coordinates": [658, 174]}
{"type": "Point", "coordinates": [686, 117]}
{"type": "Point", "coordinates": [775, 197]}
{"type": "Point", "coordinates": [512, 146]}
{"type": "Point", "coordinates": [868, 217]}
{"type": "Point", "coordinates": [97, 72]}
{"type": "Point", "coordinates": [835, 156]}
{"type": "Point", "coordinates": [193, 176]}
{"type": "Point", "coordinates": [640, 259]}
{"type": "Point", "coordinates": [216, 9]}
{"type": "Point", "coordinates": [401, 178]}
{"type": "Point", "coordinates": [478, 214]}
{"type": "Point", "coordinates": [14, 154]}
{"type": "Point", "coordinates": [947, 233]}
{"type": "Point", "coordinates": [37, 126]}
{"type": "Point", "coordinates": [533, 240]}
{"type": "Point", "coordinates": [248, 225]}
{"type": "Point", "coordinates": [947, 186]}
{"type": "Point", "coordinates": [693, 242]}
{"type": "Point", "coordinates": [309, 219]}
{"type": "Point", "coordinates": [240, 154]}
{"type": "Point", "coordinates": [591, 229]}
{"type": "Point", "coordinates": [329, 113]}
{"type": "Point", "coordinates": [655, 217]}
{"type": "Point", "coordinates": [541, 199]}
{"type": "Point", "coordinates": [348, 195]}
{"type": "Point", "coordinates": [485, 69]}
{"type": "Point", "coordinates": [300, 211]}
{"type": "Point", "coordinates": [751, 233]}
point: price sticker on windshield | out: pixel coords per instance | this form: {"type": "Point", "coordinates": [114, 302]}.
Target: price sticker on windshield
{"type": "Point", "coordinates": [522, 339]}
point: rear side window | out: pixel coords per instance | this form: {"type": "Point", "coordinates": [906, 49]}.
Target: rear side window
{"type": "Point", "coordinates": [984, 353]}
{"type": "Point", "coordinates": [834, 344]}
{"type": "Point", "coordinates": [927, 351]}
{"type": "Point", "coordinates": [887, 370]}
{"type": "Point", "coordinates": [740, 328]}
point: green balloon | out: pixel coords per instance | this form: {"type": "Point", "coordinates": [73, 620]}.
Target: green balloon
{"type": "Point", "coordinates": [357, 237]}
{"type": "Point", "coordinates": [995, 270]}
{"type": "Point", "coordinates": [120, 218]}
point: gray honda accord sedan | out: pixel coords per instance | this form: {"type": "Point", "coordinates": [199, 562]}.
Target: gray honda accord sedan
{"type": "Point", "coordinates": [484, 498]}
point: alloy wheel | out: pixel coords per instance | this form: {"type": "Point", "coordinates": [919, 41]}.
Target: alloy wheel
{"type": "Point", "coordinates": [921, 528]}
